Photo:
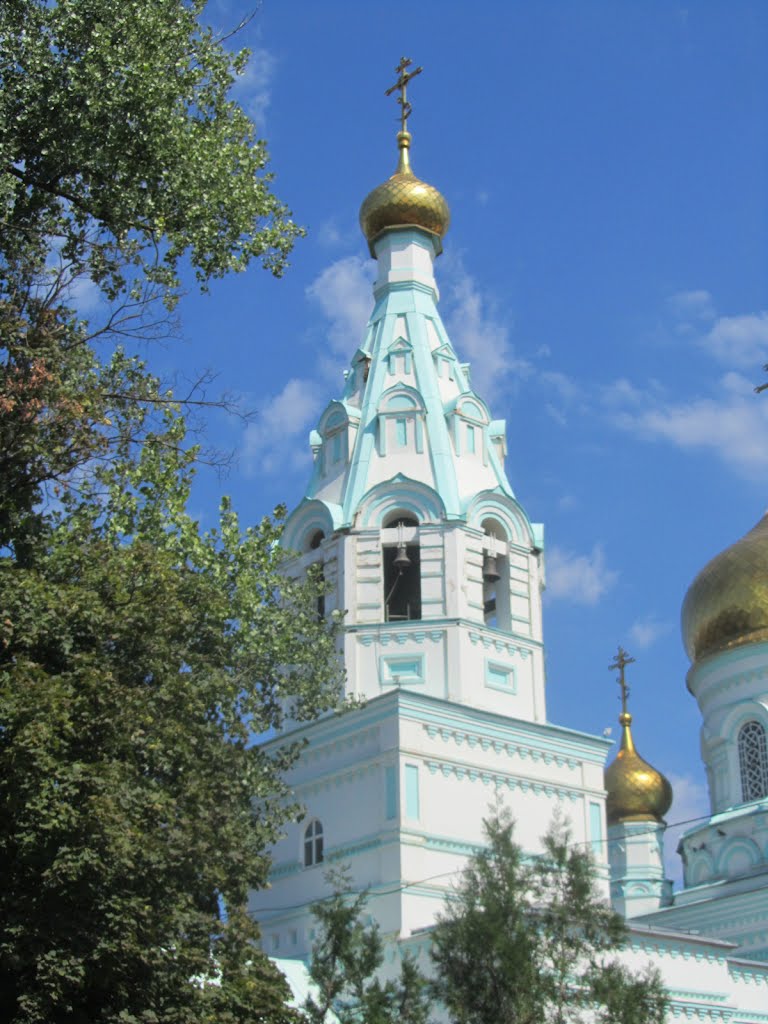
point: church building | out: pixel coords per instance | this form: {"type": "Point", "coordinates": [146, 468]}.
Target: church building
{"type": "Point", "coordinates": [438, 571]}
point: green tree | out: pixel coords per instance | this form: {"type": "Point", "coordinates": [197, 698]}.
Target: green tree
{"type": "Point", "coordinates": [122, 159]}
{"type": "Point", "coordinates": [138, 656]}
{"type": "Point", "coordinates": [346, 961]}
{"type": "Point", "coordinates": [530, 941]}
{"type": "Point", "coordinates": [119, 140]}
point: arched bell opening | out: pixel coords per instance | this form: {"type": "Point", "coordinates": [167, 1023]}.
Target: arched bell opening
{"type": "Point", "coordinates": [315, 539]}
{"type": "Point", "coordinates": [314, 542]}
{"type": "Point", "coordinates": [402, 569]}
{"type": "Point", "coordinates": [496, 602]}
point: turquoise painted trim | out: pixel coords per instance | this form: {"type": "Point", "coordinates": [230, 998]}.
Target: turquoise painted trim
{"type": "Point", "coordinates": [439, 441]}
{"type": "Point", "coordinates": [500, 677]}
{"type": "Point", "coordinates": [509, 512]}
{"type": "Point", "coordinates": [308, 516]}
{"type": "Point", "coordinates": [756, 807]}
{"type": "Point", "coordinates": [438, 712]}
{"type": "Point", "coordinates": [460, 375]}
{"type": "Point", "coordinates": [441, 713]}
{"type": "Point", "coordinates": [498, 467]}
{"type": "Point", "coordinates": [439, 843]}
{"type": "Point", "coordinates": [712, 664]}
{"type": "Point", "coordinates": [525, 643]}
{"type": "Point", "coordinates": [401, 669]}
{"type": "Point", "coordinates": [651, 875]}
{"type": "Point", "coordinates": [400, 492]}
{"type": "Point", "coordinates": [411, 792]}
{"type": "Point", "coordinates": [366, 437]}
{"type": "Point", "coordinates": [596, 827]}
{"type": "Point", "coordinates": [390, 792]}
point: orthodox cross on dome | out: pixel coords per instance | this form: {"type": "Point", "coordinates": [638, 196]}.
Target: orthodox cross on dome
{"type": "Point", "coordinates": [620, 662]}
{"type": "Point", "coordinates": [403, 78]}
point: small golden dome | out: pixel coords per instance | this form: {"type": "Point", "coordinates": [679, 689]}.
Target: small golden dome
{"type": "Point", "coordinates": [404, 201]}
{"type": "Point", "coordinates": [636, 791]}
{"type": "Point", "coordinates": [727, 603]}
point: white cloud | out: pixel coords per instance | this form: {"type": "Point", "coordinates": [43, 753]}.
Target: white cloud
{"type": "Point", "coordinates": [563, 387]}
{"type": "Point", "coordinates": [328, 234]}
{"type": "Point", "coordinates": [343, 291]}
{"type": "Point", "coordinates": [645, 632]}
{"type": "Point", "coordinates": [733, 425]}
{"type": "Point", "coordinates": [622, 392]}
{"type": "Point", "coordinates": [253, 88]}
{"type": "Point", "coordinates": [692, 305]}
{"type": "Point", "coordinates": [691, 801]}
{"type": "Point", "coordinates": [564, 394]}
{"type": "Point", "coordinates": [85, 296]}
{"type": "Point", "coordinates": [582, 579]}
{"type": "Point", "coordinates": [740, 342]}
{"type": "Point", "coordinates": [556, 413]}
{"type": "Point", "coordinates": [277, 440]}
{"type": "Point", "coordinates": [479, 335]}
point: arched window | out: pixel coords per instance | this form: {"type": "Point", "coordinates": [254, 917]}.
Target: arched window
{"type": "Point", "coordinates": [753, 761]}
{"type": "Point", "coordinates": [402, 572]}
{"type": "Point", "coordinates": [313, 844]}
{"type": "Point", "coordinates": [496, 608]}
{"type": "Point", "coordinates": [315, 540]}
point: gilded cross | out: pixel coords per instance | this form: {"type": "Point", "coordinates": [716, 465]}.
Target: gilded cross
{"type": "Point", "coordinates": [620, 662]}
{"type": "Point", "coordinates": [403, 78]}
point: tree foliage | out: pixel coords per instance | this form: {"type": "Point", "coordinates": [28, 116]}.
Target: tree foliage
{"type": "Point", "coordinates": [118, 138]}
{"type": "Point", "coordinates": [530, 941]}
{"type": "Point", "coordinates": [346, 963]}
{"type": "Point", "coordinates": [122, 160]}
{"type": "Point", "coordinates": [139, 656]}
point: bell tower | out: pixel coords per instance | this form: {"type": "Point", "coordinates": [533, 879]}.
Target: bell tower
{"type": "Point", "coordinates": [438, 572]}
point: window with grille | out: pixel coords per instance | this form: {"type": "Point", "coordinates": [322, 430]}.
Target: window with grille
{"type": "Point", "coordinates": [753, 761]}
{"type": "Point", "coordinates": [313, 844]}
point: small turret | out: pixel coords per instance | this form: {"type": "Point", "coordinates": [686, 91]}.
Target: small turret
{"type": "Point", "coordinates": [637, 798]}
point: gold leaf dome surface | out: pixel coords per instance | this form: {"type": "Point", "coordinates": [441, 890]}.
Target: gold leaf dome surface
{"type": "Point", "coordinates": [727, 603]}
{"type": "Point", "coordinates": [404, 201]}
{"type": "Point", "coordinates": [635, 790]}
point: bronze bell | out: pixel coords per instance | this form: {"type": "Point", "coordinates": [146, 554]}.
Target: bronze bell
{"type": "Point", "coordinates": [490, 570]}
{"type": "Point", "coordinates": [402, 561]}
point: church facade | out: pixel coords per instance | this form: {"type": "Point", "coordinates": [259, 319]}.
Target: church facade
{"type": "Point", "coordinates": [439, 571]}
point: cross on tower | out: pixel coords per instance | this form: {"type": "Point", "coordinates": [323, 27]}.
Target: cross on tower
{"type": "Point", "coordinates": [403, 78]}
{"type": "Point", "coordinates": [620, 662]}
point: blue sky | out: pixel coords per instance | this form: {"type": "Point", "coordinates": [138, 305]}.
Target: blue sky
{"type": "Point", "coordinates": [606, 273]}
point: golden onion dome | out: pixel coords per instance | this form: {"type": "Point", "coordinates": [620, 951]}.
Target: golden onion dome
{"type": "Point", "coordinates": [635, 790]}
{"type": "Point", "coordinates": [404, 201]}
{"type": "Point", "coordinates": [727, 604]}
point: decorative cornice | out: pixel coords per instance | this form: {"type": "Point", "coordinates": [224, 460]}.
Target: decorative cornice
{"type": "Point", "coordinates": [317, 751]}
{"type": "Point", "coordinates": [370, 632]}
{"type": "Point", "coordinates": [332, 780]}
{"type": "Point", "coordinates": [385, 638]}
{"type": "Point", "coordinates": [675, 948]}
{"type": "Point", "coordinates": [520, 750]}
{"type": "Point", "coordinates": [700, 1011]}
{"type": "Point", "coordinates": [495, 642]}
{"type": "Point", "coordinates": [499, 780]}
